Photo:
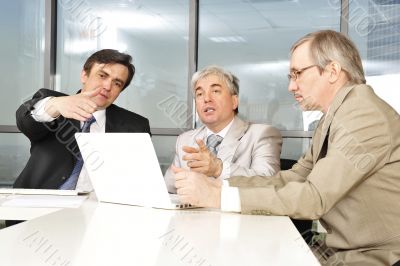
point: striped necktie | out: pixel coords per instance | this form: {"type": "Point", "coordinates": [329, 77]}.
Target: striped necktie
{"type": "Point", "coordinates": [70, 183]}
{"type": "Point", "coordinates": [212, 143]}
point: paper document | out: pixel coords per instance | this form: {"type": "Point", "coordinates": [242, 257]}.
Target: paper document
{"type": "Point", "coordinates": [25, 191]}
{"type": "Point", "coordinates": [43, 201]}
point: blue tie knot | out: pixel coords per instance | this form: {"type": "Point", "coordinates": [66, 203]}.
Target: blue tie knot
{"type": "Point", "coordinates": [87, 124]}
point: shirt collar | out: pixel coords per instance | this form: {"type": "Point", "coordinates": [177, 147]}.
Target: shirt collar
{"type": "Point", "coordinates": [100, 116]}
{"type": "Point", "coordinates": [223, 132]}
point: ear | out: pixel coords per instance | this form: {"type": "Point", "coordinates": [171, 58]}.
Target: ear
{"type": "Point", "coordinates": [84, 77]}
{"type": "Point", "coordinates": [235, 101]}
{"type": "Point", "coordinates": [334, 71]}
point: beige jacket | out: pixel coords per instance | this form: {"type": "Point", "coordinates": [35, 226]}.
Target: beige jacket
{"type": "Point", "coordinates": [349, 179]}
{"type": "Point", "coordinates": [249, 149]}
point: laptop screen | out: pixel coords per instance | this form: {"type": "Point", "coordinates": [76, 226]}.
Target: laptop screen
{"type": "Point", "coordinates": [123, 168]}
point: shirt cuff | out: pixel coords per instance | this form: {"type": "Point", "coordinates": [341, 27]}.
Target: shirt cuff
{"type": "Point", "coordinates": [226, 170]}
{"type": "Point", "coordinates": [230, 199]}
{"type": "Point", "coordinates": [39, 114]}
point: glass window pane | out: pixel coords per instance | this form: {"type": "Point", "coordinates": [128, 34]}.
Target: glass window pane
{"type": "Point", "coordinates": [14, 153]}
{"type": "Point", "coordinates": [252, 39]}
{"type": "Point", "coordinates": [21, 53]}
{"type": "Point", "coordinates": [154, 32]}
{"type": "Point", "coordinates": [165, 149]}
{"type": "Point", "coordinates": [375, 28]}
{"type": "Point", "coordinates": [294, 148]}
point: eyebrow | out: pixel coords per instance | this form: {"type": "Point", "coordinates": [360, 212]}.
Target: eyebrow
{"type": "Point", "coordinates": [116, 79]}
{"type": "Point", "coordinates": [216, 85]}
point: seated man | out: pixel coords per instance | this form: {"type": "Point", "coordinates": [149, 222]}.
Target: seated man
{"type": "Point", "coordinates": [225, 145]}
{"type": "Point", "coordinates": [51, 119]}
{"type": "Point", "coordinates": [349, 178]}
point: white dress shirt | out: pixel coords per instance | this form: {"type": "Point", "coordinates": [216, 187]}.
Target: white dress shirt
{"type": "Point", "coordinates": [99, 126]}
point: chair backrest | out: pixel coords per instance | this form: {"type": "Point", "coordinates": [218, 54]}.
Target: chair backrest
{"type": "Point", "coordinates": [287, 164]}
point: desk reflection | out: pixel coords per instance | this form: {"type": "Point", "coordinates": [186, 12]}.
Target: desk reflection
{"type": "Point", "coordinates": [112, 234]}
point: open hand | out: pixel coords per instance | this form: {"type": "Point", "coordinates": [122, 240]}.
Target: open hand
{"type": "Point", "coordinates": [201, 160]}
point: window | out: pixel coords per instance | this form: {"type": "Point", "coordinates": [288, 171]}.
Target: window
{"type": "Point", "coordinates": [252, 39]}
{"type": "Point", "coordinates": [22, 67]}
{"type": "Point", "coordinates": [21, 53]}
{"type": "Point", "coordinates": [155, 33]}
{"type": "Point", "coordinates": [374, 26]}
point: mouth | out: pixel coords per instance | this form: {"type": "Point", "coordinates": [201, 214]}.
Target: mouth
{"type": "Point", "coordinates": [209, 110]}
{"type": "Point", "coordinates": [103, 95]}
{"type": "Point", "coordinates": [298, 97]}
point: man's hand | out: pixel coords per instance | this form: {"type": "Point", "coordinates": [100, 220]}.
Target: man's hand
{"type": "Point", "coordinates": [80, 106]}
{"type": "Point", "coordinates": [197, 189]}
{"type": "Point", "coordinates": [201, 160]}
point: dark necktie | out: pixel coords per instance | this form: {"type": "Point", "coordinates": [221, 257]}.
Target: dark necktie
{"type": "Point", "coordinates": [71, 182]}
{"type": "Point", "coordinates": [212, 143]}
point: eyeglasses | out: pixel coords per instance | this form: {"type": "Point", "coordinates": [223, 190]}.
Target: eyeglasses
{"type": "Point", "coordinates": [294, 75]}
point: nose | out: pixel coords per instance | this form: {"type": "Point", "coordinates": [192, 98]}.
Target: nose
{"type": "Point", "coordinates": [107, 84]}
{"type": "Point", "coordinates": [292, 87]}
{"type": "Point", "coordinates": [207, 96]}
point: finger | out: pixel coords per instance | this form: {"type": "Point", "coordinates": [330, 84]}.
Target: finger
{"type": "Point", "coordinates": [185, 199]}
{"type": "Point", "coordinates": [92, 93]}
{"type": "Point", "coordinates": [79, 117]}
{"type": "Point", "coordinates": [91, 104]}
{"type": "Point", "coordinates": [192, 157]}
{"type": "Point", "coordinates": [194, 164]}
{"type": "Point", "coordinates": [86, 108]}
{"type": "Point", "coordinates": [90, 107]}
{"type": "Point", "coordinates": [202, 145]}
{"type": "Point", "coordinates": [189, 149]}
{"type": "Point", "coordinates": [187, 157]}
{"type": "Point", "coordinates": [81, 112]}
{"type": "Point", "coordinates": [176, 169]}
{"type": "Point", "coordinates": [182, 183]}
{"type": "Point", "coordinates": [201, 170]}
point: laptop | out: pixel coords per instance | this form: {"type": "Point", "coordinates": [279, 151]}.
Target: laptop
{"type": "Point", "coordinates": [124, 169]}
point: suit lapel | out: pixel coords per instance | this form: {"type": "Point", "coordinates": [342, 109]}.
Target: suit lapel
{"type": "Point", "coordinates": [232, 139]}
{"type": "Point", "coordinates": [323, 128]}
{"type": "Point", "coordinates": [112, 124]}
{"type": "Point", "coordinates": [201, 133]}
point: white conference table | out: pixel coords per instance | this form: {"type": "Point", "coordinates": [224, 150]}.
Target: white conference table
{"type": "Point", "coordinates": [112, 234]}
{"type": "Point", "coordinates": [27, 207]}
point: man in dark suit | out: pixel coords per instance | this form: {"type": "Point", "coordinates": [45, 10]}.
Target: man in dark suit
{"type": "Point", "coordinates": [50, 120]}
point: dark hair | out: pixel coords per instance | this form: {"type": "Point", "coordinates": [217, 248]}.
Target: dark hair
{"type": "Point", "coordinates": [110, 56]}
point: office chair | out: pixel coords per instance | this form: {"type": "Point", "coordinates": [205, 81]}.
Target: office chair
{"type": "Point", "coordinates": [303, 226]}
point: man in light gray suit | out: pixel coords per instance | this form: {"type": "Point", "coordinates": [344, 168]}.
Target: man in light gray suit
{"type": "Point", "coordinates": [350, 176]}
{"type": "Point", "coordinates": [225, 145]}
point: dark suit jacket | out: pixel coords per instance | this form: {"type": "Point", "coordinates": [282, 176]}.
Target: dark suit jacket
{"type": "Point", "coordinates": [53, 146]}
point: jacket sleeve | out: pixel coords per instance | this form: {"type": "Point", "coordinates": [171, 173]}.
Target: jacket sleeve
{"type": "Point", "coordinates": [358, 146]}
{"type": "Point", "coordinates": [265, 154]}
{"type": "Point", "coordinates": [34, 130]}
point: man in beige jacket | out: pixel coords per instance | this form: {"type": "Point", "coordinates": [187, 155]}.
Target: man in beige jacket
{"type": "Point", "coordinates": [350, 176]}
{"type": "Point", "coordinates": [239, 148]}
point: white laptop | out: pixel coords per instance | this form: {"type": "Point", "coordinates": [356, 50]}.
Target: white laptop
{"type": "Point", "coordinates": [124, 169]}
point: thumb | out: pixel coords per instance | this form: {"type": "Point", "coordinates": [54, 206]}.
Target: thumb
{"type": "Point", "coordinates": [176, 169]}
{"type": "Point", "coordinates": [201, 144]}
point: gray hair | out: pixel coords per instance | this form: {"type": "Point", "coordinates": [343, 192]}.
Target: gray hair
{"type": "Point", "coordinates": [231, 81]}
{"type": "Point", "coordinates": [327, 46]}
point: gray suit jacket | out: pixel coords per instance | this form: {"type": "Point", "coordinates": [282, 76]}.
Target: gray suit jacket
{"type": "Point", "coordinates": [349, 179]}
{"type": "Point", "coordinates": [249, 149]}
